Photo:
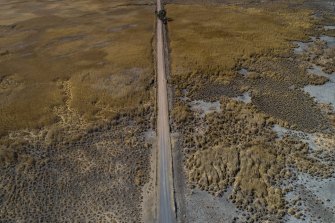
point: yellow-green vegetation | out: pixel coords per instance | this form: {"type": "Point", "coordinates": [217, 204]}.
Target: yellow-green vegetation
{"type": "Point", "coordinates": [180, 112]}
{"type": "Point", "coordinates": [211, 40]}
{"type": "Point", "coordinates": [103, 52]}
{"type": "Point", "coordinates": [219, 53]}
{"type": "Point", "coordinates": [210, 44]}
{"type": "Point", "coordinates": [76, 96]}
{"type": "Point", "coordinates": [249, 169]}
{"type": "Point", "coordinates": [238, 149]}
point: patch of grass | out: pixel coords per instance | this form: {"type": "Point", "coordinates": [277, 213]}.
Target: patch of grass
{"type": "Point", "coordinates": [238, 149]}
{"type": "Point", "coordinates": [7, 156]}
{"type": "Point", "coordinates": [76, 96]}
{"type": "Point", "coordinates": [209, 44]}
{"type": "Point", "coordinates": [211, 40]}
{"type": "Point", "coordinates": [180, 112]}
{"type": "Point", "coordinates": [108, 64]}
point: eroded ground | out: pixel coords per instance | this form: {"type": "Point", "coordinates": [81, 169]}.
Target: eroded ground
{"type": "Point", "coordinates": [76, 102]}
{"type": "Point", "coordinates": [253, 111]}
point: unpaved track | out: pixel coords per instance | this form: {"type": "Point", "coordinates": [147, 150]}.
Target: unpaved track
{"type": "Point", "coordinates": [166, 210]}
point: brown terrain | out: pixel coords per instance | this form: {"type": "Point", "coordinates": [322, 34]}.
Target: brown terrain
{"type": "Point", "coordinates": [253, 110]}
{"type": "Point", "coordinates": [76, 105]}
{"type": "Point", "coordinates": [249, 102]}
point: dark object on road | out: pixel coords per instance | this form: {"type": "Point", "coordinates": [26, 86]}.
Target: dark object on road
{"type": "Point", "coordinates": [161, 13]}
{"type": "Point", "coordinates": [162, 16]}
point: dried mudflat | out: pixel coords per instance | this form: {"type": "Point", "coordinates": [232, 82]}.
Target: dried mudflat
{"type": "Point", "coordinates": [76, 101]}
{"type": "Point", "coordinates": [257, 144]}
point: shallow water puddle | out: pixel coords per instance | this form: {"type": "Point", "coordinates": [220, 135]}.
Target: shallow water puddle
{"type": "Point", "coordinates": [243, 72]}
{"type": "Point", "coordinates": [303, 46]}
{"type": "Point", "coordinates": [329, 27]}
{"type": "Point", "coordinates": [305, 137]}
{"type": "Point", "coordinates": [245, 97]}
{"type": "Point", "coordinates": [204, 107]}
{"type": "Point", "coordinates": [315, 141]}
{"type": "Point", "coordinates": [322, 93]}
{"type": "Point", "coordinates": [329, 40]}
{"type": "Point", "coordinates": [317, 70]}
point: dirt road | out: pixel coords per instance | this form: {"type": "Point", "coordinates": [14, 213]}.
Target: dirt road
{"type": "Point", "coordinates": [165, 181]}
